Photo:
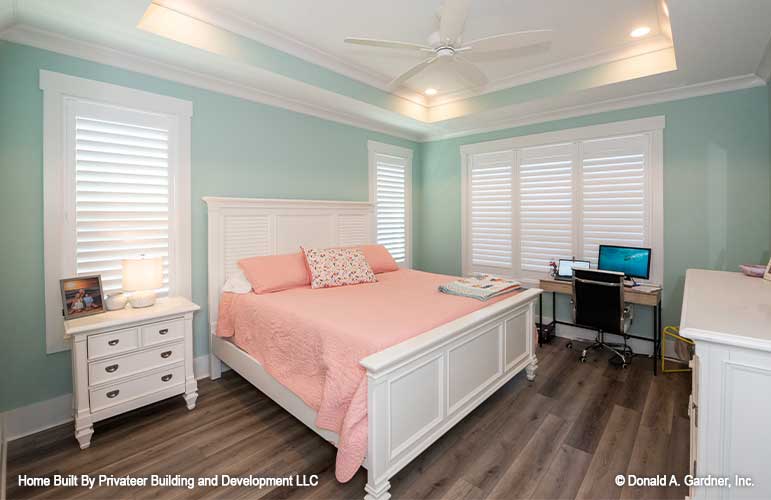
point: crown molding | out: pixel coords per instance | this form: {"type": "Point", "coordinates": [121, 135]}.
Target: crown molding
{"type": "Point", "coordinates": [563, 67]}
{"type": "Point", "coordinates": [512, 117]}
{"type": "Point", "coordinates": [28, 35]}
{"type": "Point", "coordinates": [279, 40]}
{"type": "Point", "coordinates": [516, 119]}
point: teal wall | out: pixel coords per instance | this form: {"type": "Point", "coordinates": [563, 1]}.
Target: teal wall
{"type": "Point", "coordinates": [239, 148]}
{"type": "Point", "coordinates": [716, 189]}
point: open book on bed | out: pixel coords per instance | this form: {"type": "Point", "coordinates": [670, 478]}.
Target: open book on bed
{"type": "Point", "coordinates": [480, 286]}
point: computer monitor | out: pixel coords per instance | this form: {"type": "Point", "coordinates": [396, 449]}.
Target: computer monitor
{"type": "Point", "coordinates": [632, 261]}
{"type": "Point", "coordinates": [566, 266]}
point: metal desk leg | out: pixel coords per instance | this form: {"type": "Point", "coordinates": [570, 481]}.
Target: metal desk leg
{"type": "Point", "coordinates": [656, 340]}
{"type": "Point", "coordinates": [540, 320]}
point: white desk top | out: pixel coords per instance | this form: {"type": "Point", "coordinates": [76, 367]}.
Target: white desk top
{"type": "Point", "coordinates": [115, 319]}
{"type": "Point", "coordinates": [726, 307]}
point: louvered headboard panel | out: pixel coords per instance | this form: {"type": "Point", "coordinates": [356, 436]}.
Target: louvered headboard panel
{"type": "Point", "coordinates": [245, 227]}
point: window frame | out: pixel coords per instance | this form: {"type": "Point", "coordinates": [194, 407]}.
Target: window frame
{"type": "Point", "coordinates": [652, 126]}
{"type": "Point", "coordinates": [373, 149]}
{"type": "Point", "coordinates": [60, 93]}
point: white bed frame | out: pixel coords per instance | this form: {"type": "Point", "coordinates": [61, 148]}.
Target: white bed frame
{"type": "Point", "coordinates": [418, 389]}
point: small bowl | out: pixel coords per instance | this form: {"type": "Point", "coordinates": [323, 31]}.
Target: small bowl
{"type": "Point", "coordinates": [753, 270]}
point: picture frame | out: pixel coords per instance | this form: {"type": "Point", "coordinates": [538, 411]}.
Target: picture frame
{"type": "Point", "coordinates": [767, 275]}
{"type": "Point", "coordinates": [82, 296]}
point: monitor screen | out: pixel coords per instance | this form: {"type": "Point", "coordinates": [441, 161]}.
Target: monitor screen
{"type": "Point", "coordinates": [633, 262]}
{"type": "Point", "coordinates": [566, 267]}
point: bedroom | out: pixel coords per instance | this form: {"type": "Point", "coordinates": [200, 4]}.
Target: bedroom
{"type": "Point", "coordinates": [246, 131]}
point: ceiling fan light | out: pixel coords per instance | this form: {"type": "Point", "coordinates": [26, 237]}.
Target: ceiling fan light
{"type": "Point", "coordinates": [430, 91]}
{"type": "Point", "coordinates": [640, 32]}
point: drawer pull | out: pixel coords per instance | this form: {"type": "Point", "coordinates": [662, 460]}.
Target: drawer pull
{"type": "Point", "coordinates": [111, 368]}
{"type": "Point", "coordinates": [165, 354]}
{"type": "Point", "coordinates": [166, 378]}
{"type": "Point", "coordinates": [113, 342]}
{"type": "Point", "coordinates": [114, 393]}
{"type": "Point", "coordinates": [163, 332]}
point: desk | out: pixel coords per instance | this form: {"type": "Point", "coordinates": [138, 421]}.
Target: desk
{"type": "Point", "coordinates": [643, 295]}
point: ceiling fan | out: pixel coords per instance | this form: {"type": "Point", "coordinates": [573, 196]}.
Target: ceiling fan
{"type": "Point", "coordinates": [447, 44]}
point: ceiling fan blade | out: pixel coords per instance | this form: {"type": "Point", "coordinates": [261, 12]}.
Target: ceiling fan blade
{"type": "Point", "coordinates": [452, 19]}
{"type": "Point", "coordinates": [412, 71]}
{"type": "Point", "coordinates": [469, 71]}
{"type": "Point", "coordinates": [508, 41]}
{"type": "Point", "coordinates": [388, 44]}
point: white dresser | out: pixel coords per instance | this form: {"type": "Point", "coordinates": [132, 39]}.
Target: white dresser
{"type": "Point", "coordinates": [125, 359]}
{"type": "Point", "coordinates": [729, 317]}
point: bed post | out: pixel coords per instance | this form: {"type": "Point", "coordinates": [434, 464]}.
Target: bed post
{"type": "Point", "coordinates": [531, 343]}
{"type": "Point", "coordinates": [215, 278]}
{"type": "Point", "coordinates": [377, 403]}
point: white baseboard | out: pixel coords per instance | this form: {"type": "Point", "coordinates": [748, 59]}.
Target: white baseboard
{"type": "Point", "coordinates": [21, 422]}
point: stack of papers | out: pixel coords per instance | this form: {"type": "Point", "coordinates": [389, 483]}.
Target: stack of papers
{"type": "Point", "coordinates": [481, 286]}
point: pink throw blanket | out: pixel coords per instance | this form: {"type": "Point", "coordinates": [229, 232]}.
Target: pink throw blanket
{"type": "Point", "coordinates": [312, 341]}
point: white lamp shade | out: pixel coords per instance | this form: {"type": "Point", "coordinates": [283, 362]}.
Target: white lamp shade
{"type": "Point", "coordinates": [142, 274]}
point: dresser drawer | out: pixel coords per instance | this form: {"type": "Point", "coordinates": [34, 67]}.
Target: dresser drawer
{"type": "Point", "coordinates": [163, 332]}
{"type": "Point", "coordinates": [107, 344]}
{"type": "Point", "coordinates": [122, 392]}
{"type": "Point", "coordinates": [135, 362]}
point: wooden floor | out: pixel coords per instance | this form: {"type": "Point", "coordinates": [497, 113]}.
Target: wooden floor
{"type": "Point", "coordinates": [566, 435]}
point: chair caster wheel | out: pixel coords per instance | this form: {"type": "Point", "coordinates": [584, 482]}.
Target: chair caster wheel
{"type": "Point", "coordinates": [569, 345]}
{"type": "Point", "coordinates": [624, 365]}
{"type": "Point", "coordinates": [583, 360]}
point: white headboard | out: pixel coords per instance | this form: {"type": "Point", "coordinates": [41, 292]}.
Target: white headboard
{"type": "Point", "coordinates": [245, 227]}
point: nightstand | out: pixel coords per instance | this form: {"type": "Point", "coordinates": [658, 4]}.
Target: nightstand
{"type": "Point", "coordinates": [125, 359]}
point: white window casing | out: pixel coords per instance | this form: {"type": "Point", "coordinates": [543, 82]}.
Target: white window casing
{"type": "Point", "coordinates": [570, 191]}
{"type": "Point", "coordinates": [390, 180]}
{"type": "Point", "coordinates": [116, 185]}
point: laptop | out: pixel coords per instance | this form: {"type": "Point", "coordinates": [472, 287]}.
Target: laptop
{"type": "Point", "coordinates": [566, 266]}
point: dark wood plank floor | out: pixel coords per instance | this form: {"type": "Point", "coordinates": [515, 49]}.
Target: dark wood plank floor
{"type": "Point", "coordinates": [565, 435]}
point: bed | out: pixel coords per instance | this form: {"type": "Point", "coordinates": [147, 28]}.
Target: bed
{"type": "Point", "coordinates": [451, 368]}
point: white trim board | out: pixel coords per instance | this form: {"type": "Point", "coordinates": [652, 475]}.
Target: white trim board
{"type": "Point", "coordinates": [37, 417]}
{"type": "Point", "coordinates": [311, 105]}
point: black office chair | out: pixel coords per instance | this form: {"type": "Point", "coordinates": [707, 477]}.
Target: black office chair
{"type": "Point", "coordinates": [598, 302]}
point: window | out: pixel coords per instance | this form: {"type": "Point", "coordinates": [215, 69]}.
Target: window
{"type": "Point", "coordinates": [390, 174]}
{"type": "Point", "coordinates": [530, 200]}
{"type": "Point", "coordinates": [116, 186]}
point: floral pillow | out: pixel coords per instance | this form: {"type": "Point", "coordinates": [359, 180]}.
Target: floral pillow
{"type": "Point", "coordinates": [330, 267]}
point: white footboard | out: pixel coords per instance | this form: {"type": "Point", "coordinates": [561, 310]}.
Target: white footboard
{"type": "Point", "coordinates": [421, 388]}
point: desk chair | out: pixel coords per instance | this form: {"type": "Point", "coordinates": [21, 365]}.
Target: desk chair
{"type": "Point", "coordinates": [598, 302]}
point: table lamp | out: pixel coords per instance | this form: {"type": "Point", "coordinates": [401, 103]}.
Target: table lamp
{"type": "Point", "coordinates": [142, 276]}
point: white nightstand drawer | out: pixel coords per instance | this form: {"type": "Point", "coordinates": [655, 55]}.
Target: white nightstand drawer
{"type": "Point", "coordinates": [138, 387]}
{"type": "Point", "coordinates": [135, 362]}
{"type": "Point", "coordinates": [163, 332]}
{"type": "Point", "coordinates": [107, 344]}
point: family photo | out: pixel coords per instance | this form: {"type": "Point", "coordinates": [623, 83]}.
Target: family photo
{"type": "Point", "coordinates": [82, 296]}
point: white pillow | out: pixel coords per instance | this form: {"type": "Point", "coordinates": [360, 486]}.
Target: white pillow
{"type": "Point", "coordinates": [237, 283]}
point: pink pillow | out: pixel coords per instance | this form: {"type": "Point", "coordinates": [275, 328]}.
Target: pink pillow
{"type": "Point", "coordinates": [331, 267]}
{"type": "Point", "coordinates": [273, 273]}
{"type": "Point", "coordinates": [379, 258]}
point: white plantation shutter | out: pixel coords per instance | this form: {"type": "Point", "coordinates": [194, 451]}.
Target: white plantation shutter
{"type": "Point", "coordinates": [390, 190]}
{"type": "Point", "coordinates": [490, 196]}
{"type": "Point", "coordinates": [529, 201]}
{"type": "Point", "coordinates": [546, 205]}
{"type": "Point", "coordinates": [614, 191]}
{"type": "Point", "coordinates": [122, 190]}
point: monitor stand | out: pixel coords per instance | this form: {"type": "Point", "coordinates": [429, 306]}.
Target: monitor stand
{"type": "Point", "coordinates": [630, 282]}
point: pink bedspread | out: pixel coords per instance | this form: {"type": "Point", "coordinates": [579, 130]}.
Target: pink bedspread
{"type": "Point", "coordinates": [311, 341]}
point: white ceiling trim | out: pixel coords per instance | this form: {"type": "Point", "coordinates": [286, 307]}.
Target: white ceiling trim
{"type": "Point", "coordinates": [653, 44]}
{"type": "Point", "coordinates": [482, 123]}
{"type": "Point", "coordinates": [516, 119]}
{"type": "Point", "coordinates": [28, 35]}
{"type": "Point", "coordinates": [284, 42]}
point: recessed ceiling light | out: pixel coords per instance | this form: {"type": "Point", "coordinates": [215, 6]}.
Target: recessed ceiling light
{"type": "Point", "coordinates": [430, 91]}
{"type": "Point", "coordinates": [641, 31]}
